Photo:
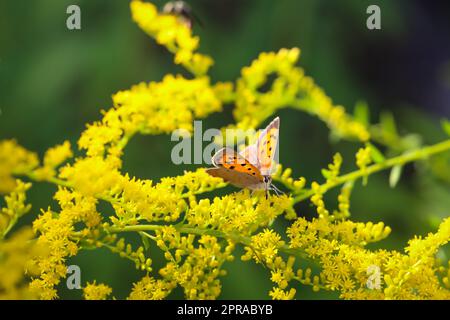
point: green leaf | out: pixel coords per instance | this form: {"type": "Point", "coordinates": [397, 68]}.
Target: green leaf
{"type": "Point", "coordinates": [394, 177]}
{"type": "Point", "coordinates": [377, 155]}
{"type": "Point", "coordinates": [411, 141]}
{"type": "Point", "coordinates": [145, 241]}
{"type": "Point", "coordinates": [361, 113]}
{"type": "Point", "coordinates": [388, 123]}
{"type": "Point", "coordinates": [446, 126]}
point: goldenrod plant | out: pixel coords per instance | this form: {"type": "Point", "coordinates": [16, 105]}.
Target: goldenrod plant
{"type": "Point", "coordinates": [197, 234]}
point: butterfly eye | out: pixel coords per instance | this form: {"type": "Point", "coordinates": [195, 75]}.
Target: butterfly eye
{"type": "Point", "coordinates": [266, 179]}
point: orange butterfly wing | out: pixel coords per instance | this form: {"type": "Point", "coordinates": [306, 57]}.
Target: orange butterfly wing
{"type": "Point", "coordinates": [267, 146]}
{"type": "Point", "coordinates": [239, 179]}
{"type": "Point", "coordinates": [230, 159]}
{"type": "Point", "coordinates": [251, 154]}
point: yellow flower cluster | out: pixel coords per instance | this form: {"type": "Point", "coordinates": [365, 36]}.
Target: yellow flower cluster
{"type": "Point", "coordinates": [18, 253]}
{"type": "Point", "coordinates": [291, 88]}
{"type": "Point", "coordinates": [57, 232]}
{"type": "Point", "coordinates": [303, 233]}
{"type": "Point", "coordinates": [149, 288]}
{"type": "Point", "coordinates": [195, 269]}
{"type": "Point", "coordinates": [333, 169]}
{"type": "Point", "coordinates": [93, 291]}
{"type": "Point", "coordinates": [317, 199]}
{"type": "Point", "coordinates": [279, 294]}
{"type": "Point", "coordinates": [445, 273]}
{"type": "Point", "coordinates": [52, 159]}
{"type": "Point", "coordinates": [172, 33]}
{"type": "Point", "coordinates": [135, 199]}
{"type": "Point", "coordinates": [330, 242]}
{"type": "Point", "coordinates": [320, 240]}
{"type": "Point", "coordinates": [126, 251]}
{"type": "Point", "coordinates": [238, 212]}
{"type": "Point", "coordinates": [413, 275]}
{"type": "Point", "coordinates": [17, 262]}
{"type": "Point", "coordinates": [265, 248]}
{"type": "Point", "coordinates": [253, 106]}
{"type": "Point", "coordinates": [363, 159]}
{"type": "Point", "coordinates": [304, 277]}
{"type": "Point", "coordinates": [15, 207]}
{"type": "Point", "coordinates": [343, 211]}
{"type": "Point", "coordinates": [154, 108]}
{"type": "Point", "coordinates": [339, 249]}
{"type": "Point", "coordinates": [14, 159]}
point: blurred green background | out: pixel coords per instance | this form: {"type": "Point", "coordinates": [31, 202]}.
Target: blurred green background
{"type": "Point", "coordinates": [53, 81]}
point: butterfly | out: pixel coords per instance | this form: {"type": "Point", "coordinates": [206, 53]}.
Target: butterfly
{"type": "Point", "coordinates": [252, 167]}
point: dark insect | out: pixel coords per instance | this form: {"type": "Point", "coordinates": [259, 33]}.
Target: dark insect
{"type": "Point", "coordinates": [183, 11]}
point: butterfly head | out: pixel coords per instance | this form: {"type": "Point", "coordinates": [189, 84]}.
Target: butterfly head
{"type": "Point", "coordinates": [267, 184]}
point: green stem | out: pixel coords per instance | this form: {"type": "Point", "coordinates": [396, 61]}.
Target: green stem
{"type": "Point", "coordinates": [410, 156]}
{"type": "Point", "coordinates": [124, 141]}
{"type": "Point", "coordinates": [11, 224]}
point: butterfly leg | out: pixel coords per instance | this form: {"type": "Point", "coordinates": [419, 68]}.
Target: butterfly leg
{"type": "Point", "coordinates": [276, 190]}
